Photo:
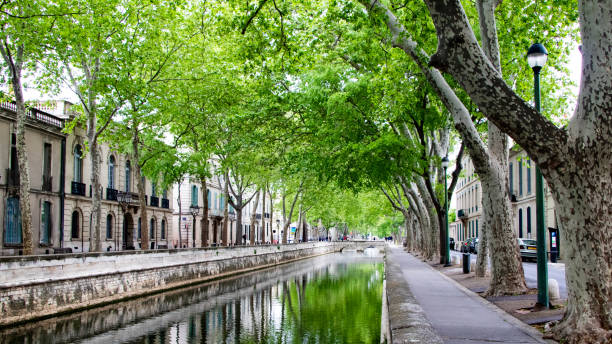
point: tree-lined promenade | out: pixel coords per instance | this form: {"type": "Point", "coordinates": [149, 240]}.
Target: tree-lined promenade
{"type": "Point", "coordinates": [342, 111]}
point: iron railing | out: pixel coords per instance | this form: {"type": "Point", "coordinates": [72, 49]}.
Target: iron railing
{"type": "Point", "coordinates": [77, 188]}
{"type": "Point", "coordinates": [35, 114]}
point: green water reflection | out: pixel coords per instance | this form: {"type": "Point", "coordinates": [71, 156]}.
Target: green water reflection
{"type": "Point", "coordinates": [329, 299]}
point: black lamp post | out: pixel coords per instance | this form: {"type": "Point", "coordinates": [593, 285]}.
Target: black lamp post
{"type": "Point", "coordinates": [195, 210]}
{"type": "Point", "coordinates": [536, 57]}
{"type": "Point", "coordinates": [446, 241]}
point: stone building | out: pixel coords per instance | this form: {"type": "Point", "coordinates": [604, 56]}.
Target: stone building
{"type": "Point", "coordinates": [190, 214]}
{"type": "Point", "coordinates": [45, 143]}
{"type": "Point", "coordinates": [468, 198]}
{"type": "Point", "coordinates": [60, 173]}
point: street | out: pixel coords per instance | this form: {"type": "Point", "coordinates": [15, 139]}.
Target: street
{"type": "Point", "coordinates": [556, 271]}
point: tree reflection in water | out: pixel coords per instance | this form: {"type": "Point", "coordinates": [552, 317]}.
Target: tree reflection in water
{"type": "Point", "coordinates": [329, 299]}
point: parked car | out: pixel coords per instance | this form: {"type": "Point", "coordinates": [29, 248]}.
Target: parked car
{"type": "Point", "coordinates": [528, 248]}
{"type": "Point", "coordinates": [474, 245]}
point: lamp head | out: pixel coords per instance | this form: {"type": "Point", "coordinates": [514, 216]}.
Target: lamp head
{"type": "Point", "coordinates": [537, 56]}
{"type": "Point", "coordinates": [445, 162]}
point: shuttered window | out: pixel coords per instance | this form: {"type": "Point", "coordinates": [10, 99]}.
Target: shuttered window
{"type": "Point", "coordinates": [12, 219]}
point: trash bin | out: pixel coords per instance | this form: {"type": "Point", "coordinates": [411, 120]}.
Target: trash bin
{"type": "Point", "coordinates": [466, 263]}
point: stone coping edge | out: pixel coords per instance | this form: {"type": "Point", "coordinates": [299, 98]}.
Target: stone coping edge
{"type": "Point", "coordinates": [530, 331]}
{"type": "Point", "coordinates": [407, 320]}
{"type": "Point", "coordinates": [30, 317]}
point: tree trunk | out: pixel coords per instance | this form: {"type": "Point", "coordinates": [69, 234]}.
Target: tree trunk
{"type": "Point", "coordinates": [144, 226]}
{"type": "Point", "coordinates": [254, 218]}
{"type": "Point", "coordinates": [272, 219]}
{"type": "Point", "coordinates": [304, 228]}
{"type": "Point", "coordinates": [262, 229]}
{"type": "Point", "coordinates": [205, 223]}
{"type": "Point", "coordinates": [433, 241]}
{"type": "Point", "coordinates": [96, 209]}
{"type": "Point", "coordinates": [239, 238]}
{"type": "Point", "coordinates": [180, 213]}
{"type": "Point", "coordinates": [224, 235]}
{"type": "Point", "coordinates": [482, 260]}
{"type": "Point", "coordinates": [22, 158]}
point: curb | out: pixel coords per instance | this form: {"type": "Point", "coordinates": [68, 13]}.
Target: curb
{"type": "Point", "coordinates": [530, 331]}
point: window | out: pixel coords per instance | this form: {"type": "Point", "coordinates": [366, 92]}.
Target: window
{"type": "Point", "coordinates": [163, 229]}
{"type": "Point", "coordinates": [477, 228]}
{"type": "Point", "coordinates": [222, 202]}
{"type": "Point", "coordinates": [12, 221]}
{"type": "Point", "coordinates": [153, 190]}
{"type": "Point", "coordinates": [529, 222]}
{"type": "Point", "coordinates": [152, 229]}
{"type": "Point", "coordinates": [208, 198]}
{"type": "Point", "coordinates": [511, 173]}
{"type": "Point", "coordinates": [46, 161]}
{"type": "Point", "coordinates": [75, 225]}
{"type": "Point", "coordinates": [529, 176]}
{"type": "Point", "coordinates": [111, 172]}
{"type": "Point", "coordinates": [128, 176]}
{"type": "Point", "coordinates": [520, 223]}
{"type": "Point", "coordinates": [520, 176]}
{"type": "Point", "coordinates": [139, 228]}
{"type": "Point", "coordinates": [194, 195]}
{"type": "Point", "coordinates": [109, 226]}
{"type": "Point", "coordinates": [14, 161]}
{"type": "Point", "coordinates": [78, 164]}
{"type": "Point", "coordinates": [164, 193]}
{"type": "Point", "coordinates": [45, 223]}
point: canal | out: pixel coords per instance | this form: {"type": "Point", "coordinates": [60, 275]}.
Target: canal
{"type": "Point", "coordinates": [334, 298]}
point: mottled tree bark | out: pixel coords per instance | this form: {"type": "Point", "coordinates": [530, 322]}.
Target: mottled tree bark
{"type": "Point", "coordinates": [15, 65]}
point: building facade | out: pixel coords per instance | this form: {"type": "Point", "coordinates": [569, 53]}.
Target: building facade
{"type": "Point", "coordinates": [188, 216]}
{"type": "Point", "coordinates": [521, 183]}
{"type": "Point", "coordinates": [61, 194]}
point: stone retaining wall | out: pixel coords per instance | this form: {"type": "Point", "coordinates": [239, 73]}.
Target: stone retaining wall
{"type": "Point", "coordinates": [39, 286]}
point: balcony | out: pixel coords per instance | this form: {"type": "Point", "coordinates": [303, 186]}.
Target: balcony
{"type": "Point", "coordinates": [154, 201]}
{"type": "Point", "coordinates": [461, 214]}
{"type": "Point", "coordinates": [111, 194]}
{"type": "Point", "coordinates": [47, 184]}
{"type": "Point", "coordinates": [215, 212]}
{"type": "Point", "coordinates": [165, 203]}
{"type": "Point", "coordinates": [77, 188]}
{"type": "Point", "coordinates": [258, 216]}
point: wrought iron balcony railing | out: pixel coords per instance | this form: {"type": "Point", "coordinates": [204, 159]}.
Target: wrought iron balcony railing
{"type": "Point", "coordinates": [77, 188]}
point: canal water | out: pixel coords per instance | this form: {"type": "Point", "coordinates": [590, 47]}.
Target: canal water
{"type": "Point", "coordinates": [334, 298]}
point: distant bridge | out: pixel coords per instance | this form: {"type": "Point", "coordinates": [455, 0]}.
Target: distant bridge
{"type": "Point", "coordinates": [361, 245]}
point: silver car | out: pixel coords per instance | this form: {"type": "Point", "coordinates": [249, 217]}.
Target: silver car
{"type": "Point", "coordinates": [528, 248]}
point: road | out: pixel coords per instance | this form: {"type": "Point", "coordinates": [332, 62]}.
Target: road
{"type": "Point", "coordinates": [556, 271]}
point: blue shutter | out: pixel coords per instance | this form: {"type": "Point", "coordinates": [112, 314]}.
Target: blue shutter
{"type": "Point", "coordinates": [12, 232]}
{"type": "Point", "coordinates": [520, 175]}
{"type": "Point", "coordinates": [163, 229]}
{"type": "Point", "coordinates": [528, 177]}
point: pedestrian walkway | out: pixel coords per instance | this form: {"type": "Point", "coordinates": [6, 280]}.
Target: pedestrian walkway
{"type": "Point", "coordinates": [457, 315]}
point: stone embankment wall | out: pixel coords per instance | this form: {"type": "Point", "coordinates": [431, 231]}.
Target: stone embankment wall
{"type": "Point", "coordinates": [38, 286]}
{"type": "Point", "coordinates": [407, 320]}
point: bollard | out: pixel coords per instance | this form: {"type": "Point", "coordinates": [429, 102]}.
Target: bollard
{"type": "Point", "coordinates": [466, 263]}
{"type": "Point", "coordinates": [553, 289]}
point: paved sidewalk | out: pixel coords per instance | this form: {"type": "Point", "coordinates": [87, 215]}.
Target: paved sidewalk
{"type": "Point", "coordinates": [458, 315]}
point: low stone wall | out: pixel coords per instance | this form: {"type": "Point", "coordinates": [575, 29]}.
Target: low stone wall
{"type": "Point", "coordinates": [39, 286]}
{"type": "Point", "coordinates": [407, 320]}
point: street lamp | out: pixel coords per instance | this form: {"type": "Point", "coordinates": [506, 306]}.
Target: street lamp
{"type": "Point", "coordinates": [446, 244]}
{"type": "Point", "coordinates": [195, 210]}
{"type": "Point", "coordinates": [536, 58]}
